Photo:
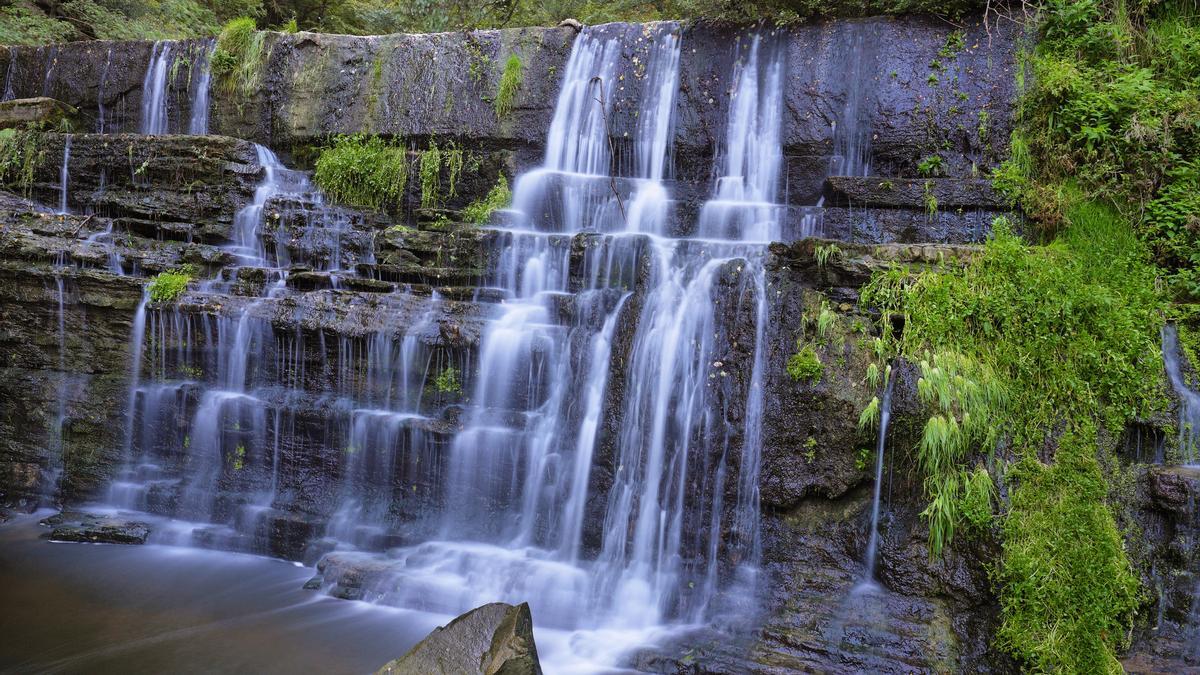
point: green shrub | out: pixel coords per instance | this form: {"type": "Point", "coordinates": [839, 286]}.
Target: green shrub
{"type": "Point", "coordinates": [169, 285]}
{"type": "Point", "coordinates": [364, 171]}
{"type": "Point", "coordinates": [510, 81]}
{"type": "Point", "coordinates": [480, 211]}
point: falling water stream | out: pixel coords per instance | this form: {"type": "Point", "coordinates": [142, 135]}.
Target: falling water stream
{"type": "Point", "coordinates": [155, 117]}
{"type": "Point", "coordinates": [885, 416]}
{"type": "Point", "coordinates": [1189, 399]}
{"type": "Point", "coordinates": [516, 510]}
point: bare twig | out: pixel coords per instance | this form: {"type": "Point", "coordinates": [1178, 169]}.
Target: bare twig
{"type": "Point", "coordinates": [612, 151]}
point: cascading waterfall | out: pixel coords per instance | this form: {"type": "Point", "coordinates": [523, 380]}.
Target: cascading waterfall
{"type": "Point", "coordinates": [852, 130]}
{"type": "Point", "coordinates": [198, 124]}
{"type": "Point", "coordinates": [1189, 400]}
{"type": "Point", "coordinates": [10, 75]}
{"type": "Point", "coordinates": [885, 415]}
{"type": "Point", "coordinates": [745, 206]}
{"type": "Point", "coordinates": [518, 511]}
{"type": "Point", "coordinates": [64, 176]}
{"type": "Point", "coordinates": [155, 118]}
{"type": "Point", "coordinates": [51, 62]}
{"type": "Point", "coordinates": [101, 116]}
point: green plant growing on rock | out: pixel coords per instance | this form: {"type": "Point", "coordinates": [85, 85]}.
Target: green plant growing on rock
{"type": "Point", "coordinates": [448, 381]}
{"type": "Point", "coordinates": [364, 171]}
{"type": "Point", "coordinates": [931, 166]}
{"type": "Point", "coordinates": [805, 364]}
{"type": "Point", "coordinates": [169, 285]}
{"type": "Point", "coordinates": [430, 168]}
{"type": "Point", "coordinates": [498, 197]}
{"type": "Point", "coordinates": [510, 81]}
{"type": "Point", "coordinates": [20, 155]}
{"type": "Point", "coordinates": [239, 57]}
{"type": "Point", "coordinates": [1052, 343]}
{"type": "Point", "coordinates": [823, 253]}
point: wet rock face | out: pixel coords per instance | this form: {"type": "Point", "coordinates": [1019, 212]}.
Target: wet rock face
{"type": "Point", "coordinates": [1167, 557]}
{"type": "Point", "coordinates": [871, 76]}
{"type": "Point", "coordinates": [495, 639]}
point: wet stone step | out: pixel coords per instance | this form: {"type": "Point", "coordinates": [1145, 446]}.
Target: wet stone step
{"type": "Point", "coordinates": [89, 528]}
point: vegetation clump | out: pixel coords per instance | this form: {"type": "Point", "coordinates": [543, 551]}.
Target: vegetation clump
{"type": "Point", "coordinates": [364, 171]}
{"type": "Point", "coordinates": [805, 364]}
{"type": "Point", "coordinates": [510, 81]}
{"type": "Point", "coordinates": [480, 211]}
{"type": "Point", "coordinates": [20, 155]}
{"type": "Point", "coordinates": [1040, 346]}
{"type": "Point", "coordinates": [239, 57]}
{"type": "Point", "coordinates": [169, 285]}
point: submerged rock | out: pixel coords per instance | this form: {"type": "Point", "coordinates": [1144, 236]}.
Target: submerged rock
{"type": "Point", "coordinates": [493, 639]}
{"type": "Point", "coordinates": [88, 528]}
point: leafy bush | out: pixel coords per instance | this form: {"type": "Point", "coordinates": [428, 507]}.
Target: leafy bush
{"type": "Point", "coordinates": [169, 285]}
{"type": "Point", "coordinates": [364, 171]}
{"type": "Point", "coordinates": [1111, 114]}
{"type": "Point", "coordinates": [21, 26]}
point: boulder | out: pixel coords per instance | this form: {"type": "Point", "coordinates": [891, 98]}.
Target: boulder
{"type": "Point", "coordinates": [39, 110]}
{"type": "Point", "coordinates": [90, 528]}
{"type": "Point", "coordinates": [495, 639]}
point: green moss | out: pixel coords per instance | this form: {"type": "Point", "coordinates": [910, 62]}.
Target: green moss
{"type": "Point", "coordinates": [498, 197]}
{"type": "Point", "coordinates": [1068, 591]}
{"type": "Point", "coordinates": [805, 364]}
{"type": "Point", "coordinates": [510, 81]}
{"type": "Point", "coordinates": [364, 171]}
{"type": "Point", "coordinates": [169, 285]}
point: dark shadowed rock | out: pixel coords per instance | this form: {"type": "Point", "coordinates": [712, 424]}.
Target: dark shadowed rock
{"type": "Point", "coordinates": [495, 639]}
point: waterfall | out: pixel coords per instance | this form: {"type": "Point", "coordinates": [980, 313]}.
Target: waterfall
{"type": "Point", "coordinates": [100, 118]}
{"type": "Point", "coordinates": [745, 203]}
{"type": "Point", "coordinates": [852, 129]}
{"type": "Point", "coordinates": [64, 176]}
{"type": "Point", "coordinates": [51, 62]}
{"type": "Point", "coordinates": [597, 451]}
{"type": "Point", "coordinates": [885, 415]}
{"type": "Point", "coordinates": [155, 118]}
{"type": "Point", "coordinates": [1189, 399]}
{"type": "Point", "coordinates": [198, 124]}
{"type": "Point", "coordinates": [10, 75]}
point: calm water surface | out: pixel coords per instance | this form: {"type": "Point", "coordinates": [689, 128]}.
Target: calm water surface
{"type": "Point", "coordinates": [75, 608]}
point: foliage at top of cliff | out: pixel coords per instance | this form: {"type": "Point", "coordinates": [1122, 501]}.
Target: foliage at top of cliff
{"type": "Point", "coordinates": [1112, 112]}
{"type": "Point", "coordinates": [27, 22]}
